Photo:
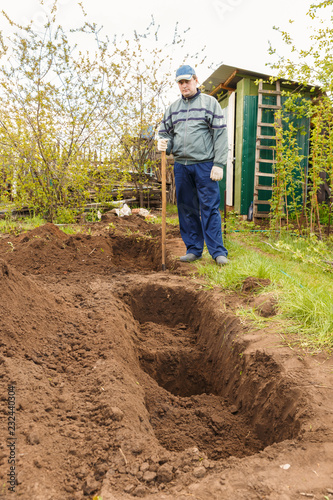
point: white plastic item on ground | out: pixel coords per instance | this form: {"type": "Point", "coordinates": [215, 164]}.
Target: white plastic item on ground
{"type": "Point", "coordinates": [123, 211]}
{"type": "Point", "coordinates": [141, 211]}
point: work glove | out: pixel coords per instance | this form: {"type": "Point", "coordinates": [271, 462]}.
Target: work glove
{"type": "Point", "coordinates": [162, 144]}
{"type": "Point", "coordinates": [216, 174]}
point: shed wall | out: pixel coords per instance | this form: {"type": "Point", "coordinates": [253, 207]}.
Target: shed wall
{"type": "Point", "coordinates": [246, 125]}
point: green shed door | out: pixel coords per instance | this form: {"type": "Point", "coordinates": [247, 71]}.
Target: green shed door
{"type": "Point", "coordinates": [248, 151]}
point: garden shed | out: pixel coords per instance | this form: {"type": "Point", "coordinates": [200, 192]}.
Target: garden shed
{"type": "Point", "coordinates": [250, 102]}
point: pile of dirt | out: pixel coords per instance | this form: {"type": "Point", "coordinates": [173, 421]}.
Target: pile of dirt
{"type": "Point", "coordinates": [252, 284]}
{"type": "Point", "coordinates": [47, 250]}
{"type": "Point", "coordinates": [29, 314]}
{"type": "Point", "coordinates": [132, 382]}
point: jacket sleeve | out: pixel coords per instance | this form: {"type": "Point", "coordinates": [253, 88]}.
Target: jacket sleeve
{"type": "Point", "coordinates": [218, 127]}
{"type": "Point", "coordinates": [166, 130]}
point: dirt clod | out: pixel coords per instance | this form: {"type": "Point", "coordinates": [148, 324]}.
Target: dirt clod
{"type": "Point", "coordinates": [165, 473]}
{"type": "Point", "coordinates": [149, 476]}
{"type": "Point", "coordinates": [199, 472]}
{"type": "Point", "coordinates": [116, 414]}
{"type": "Point", "coordinates": [265, 305]}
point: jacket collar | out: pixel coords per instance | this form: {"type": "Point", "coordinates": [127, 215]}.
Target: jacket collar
{"type": "Point", "coordinates": [193, 96]}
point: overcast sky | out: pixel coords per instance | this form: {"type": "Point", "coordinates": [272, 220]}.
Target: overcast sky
{"type": "Point", "coordinates": [235, 32]}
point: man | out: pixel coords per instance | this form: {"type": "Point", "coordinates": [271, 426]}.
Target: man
{"type": "Point", "coordinates": [194, 130]}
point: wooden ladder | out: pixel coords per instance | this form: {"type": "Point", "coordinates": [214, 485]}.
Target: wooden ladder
{"type": "Point", "coordinates": [260, 138]}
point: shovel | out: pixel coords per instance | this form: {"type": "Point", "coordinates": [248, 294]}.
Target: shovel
{"type": "Point", "coordinates": [163, 173]}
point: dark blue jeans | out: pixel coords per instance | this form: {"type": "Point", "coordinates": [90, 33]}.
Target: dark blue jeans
{"type": "Point", "coordinates": [198, 202]}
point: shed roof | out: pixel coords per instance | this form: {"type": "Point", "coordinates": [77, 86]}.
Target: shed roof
{"type": "Point", "coordinates": [225, 78]}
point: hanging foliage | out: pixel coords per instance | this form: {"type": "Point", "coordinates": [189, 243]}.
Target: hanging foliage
{"type": "Point", "coordinates": [301, 188]}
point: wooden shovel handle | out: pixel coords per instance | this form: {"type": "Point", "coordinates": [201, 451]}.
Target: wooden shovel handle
{"type": "Point", "coordinates": [163, 173]}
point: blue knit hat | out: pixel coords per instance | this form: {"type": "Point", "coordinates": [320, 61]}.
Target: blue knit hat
{"type": "Point", "coordinates": [184, 73]}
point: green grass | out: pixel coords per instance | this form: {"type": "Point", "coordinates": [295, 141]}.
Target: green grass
{"type": "Point", "coordinates": [171, 209]}
{"type": "Point", "coordinates": [71, 228]}
{"type": "Point", "coordinates": [158, 220]}
{"type": "Point", "coordinates": [301, 276]}
{"type": "Point", "coordinates": [242, 263]}
{"type": "Point", "coordinates": [17, 225]}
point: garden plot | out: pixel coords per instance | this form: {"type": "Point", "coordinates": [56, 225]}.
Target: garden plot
{"type": "Point", "coordinates": [132, 382]}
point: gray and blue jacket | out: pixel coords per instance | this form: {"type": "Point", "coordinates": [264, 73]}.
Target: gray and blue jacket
{"type": "Point", "coordinates": [197, 130]}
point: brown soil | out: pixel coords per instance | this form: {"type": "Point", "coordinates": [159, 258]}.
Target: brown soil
{"type": "Point", "coordinates": [133, 382]}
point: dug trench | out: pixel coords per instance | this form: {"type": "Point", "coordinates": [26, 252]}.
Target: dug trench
{"type": "Point", "coordinates": [131, 382]}
{"type": "Point", "coordinates": [210, 393]}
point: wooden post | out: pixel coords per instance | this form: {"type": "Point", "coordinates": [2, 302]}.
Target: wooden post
{"type": "Point", "coordinates": [163, 174]}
